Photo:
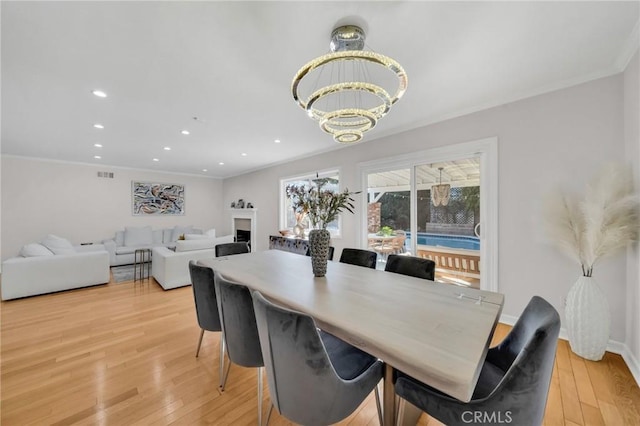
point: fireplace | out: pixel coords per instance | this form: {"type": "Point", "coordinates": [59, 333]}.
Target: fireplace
{"type": "Point", "coordinates": [243, 222]}
{"type": "Point", "coordinates": [243, 236]}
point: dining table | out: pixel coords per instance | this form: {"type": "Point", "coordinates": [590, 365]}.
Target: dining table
{"type": "Point", "coordinates": [437, 333]}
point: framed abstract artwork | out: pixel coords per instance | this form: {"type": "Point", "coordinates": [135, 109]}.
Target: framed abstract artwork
{"type": "Point", "coordinates": [157, 198]}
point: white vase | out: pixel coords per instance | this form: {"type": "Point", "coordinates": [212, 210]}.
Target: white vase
{"type": "Point", "coordinates": [588, 321]}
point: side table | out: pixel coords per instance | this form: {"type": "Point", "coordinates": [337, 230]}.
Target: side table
{"type": "Point", "coordinates": [141, 264]}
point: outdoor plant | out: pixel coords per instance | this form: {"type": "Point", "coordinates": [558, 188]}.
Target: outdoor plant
{"type": "Point", "coordinates": [321, 206]}
{"type": "Point", "coordinates": [385, 231]}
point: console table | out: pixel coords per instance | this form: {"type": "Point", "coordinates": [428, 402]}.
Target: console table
{"type": "Point", "coordinates": [290, 244]}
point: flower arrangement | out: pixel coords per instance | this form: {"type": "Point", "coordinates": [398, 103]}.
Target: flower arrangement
{"type": "Point", "coordinates": [604, 221]}
{"type": "Point", "coordinates": [320, 205]}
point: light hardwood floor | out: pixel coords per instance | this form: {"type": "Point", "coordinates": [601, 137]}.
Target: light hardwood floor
{"type": "Point", "coordinates": [124, 354]}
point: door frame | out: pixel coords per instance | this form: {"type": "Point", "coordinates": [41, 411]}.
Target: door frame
{"type": "Point", "coordinates": [487, 150]}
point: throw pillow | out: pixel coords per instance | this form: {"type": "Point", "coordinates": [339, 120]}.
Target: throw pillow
{"type": "Point", "coordinates": [180, 230]}
{"type": "Point", "coordinates": [197, 237]}
{"type": "Point", "coordinates": [138, 236]}
{"type": "Point", "coordinates": [211, 233]}
{"type": "Point", "coordinates": [58, 245]}
{"type": "Point", "coordinates": [35, 249]}
{"type": "Point", "coordinates": [195, 245]}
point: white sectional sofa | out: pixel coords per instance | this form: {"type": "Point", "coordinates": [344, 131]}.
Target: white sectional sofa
{"type": "Point", "coordinates": [122, 247]}
{"type": "Point", "coordinates": [39, 272]}
{"type": "Point", "coordinates": [170, 268]}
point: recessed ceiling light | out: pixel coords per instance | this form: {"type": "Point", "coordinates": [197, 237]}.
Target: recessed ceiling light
{"type": "Point", "coordinates": [244, 154]}
{"type": "Point", "coordinates": [97, 145]}
{"type": "Point", "coordinates": [185, 132]}
{"type": "Point", "coordinates": [97, 157]}
{"type": "Point", "coordinates": [98, 126]}
{"type": "Point", "coordinates": [204, 170]}
{"type": "Point", "coordinates": [167, 148]}
{"type": "Point", "coordinates": [155, 159]}
{"type": "Point", "coordinates": [277, 141]}
{"type": "Point", "coordinates": [99, 93]}
{"type": "Point", "coordinates": [221, 163]}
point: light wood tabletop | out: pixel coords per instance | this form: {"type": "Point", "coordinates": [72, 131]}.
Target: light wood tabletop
{"type": "Point", "coordinates": [437, 333]}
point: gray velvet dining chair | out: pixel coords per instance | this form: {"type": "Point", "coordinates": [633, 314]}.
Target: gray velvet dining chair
{"type": "Point", "coordinates": [412, 266]}
{"type": "Point", "coordinates": [514, 381]}
{"type": "Point", "coordinates": [314, 378]}
{"type": "Point", "coordinates": [359, 257]}
{"type": "Point", "coordinates": [229, 249]}
{"type": "Point", "coordinates": [204, 295]}
{"type": "Point", "coordinates": [240, 330]}
{"type": "Point", "coordinates": [329, 257]}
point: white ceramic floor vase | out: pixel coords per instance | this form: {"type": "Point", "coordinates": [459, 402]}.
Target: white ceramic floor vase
{"type": "Point", "coordinates": [588, 321]}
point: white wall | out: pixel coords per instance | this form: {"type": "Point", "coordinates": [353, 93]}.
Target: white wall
{"type": "Point", "coordinates": [559, 138]}
{"type": "Point", "coordinates": [632, 140]}
{"type": "Point", "coordinates": [66, 199]}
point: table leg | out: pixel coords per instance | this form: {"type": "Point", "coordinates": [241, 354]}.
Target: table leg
{"type": "Point", "coordinates": [389, 397]}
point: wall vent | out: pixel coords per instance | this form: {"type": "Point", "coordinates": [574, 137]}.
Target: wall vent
{"type": "Point", "coordinates": [107, 175]}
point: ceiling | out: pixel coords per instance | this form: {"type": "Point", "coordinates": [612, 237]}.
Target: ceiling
{"type": "Point", "coordinates": [223, 70]}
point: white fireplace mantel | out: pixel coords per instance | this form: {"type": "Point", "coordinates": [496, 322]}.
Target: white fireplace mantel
{"type": "Point", "coordinates": [238, 218]}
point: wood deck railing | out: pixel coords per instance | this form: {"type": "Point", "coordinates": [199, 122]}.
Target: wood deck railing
{"type": "Point", "coordinates": [452, 260]}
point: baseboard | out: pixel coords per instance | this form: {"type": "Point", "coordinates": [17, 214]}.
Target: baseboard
{"type": "Point", "coordinates": [613, 346]}
{"type": "Point", "coordinates": [632, 363]}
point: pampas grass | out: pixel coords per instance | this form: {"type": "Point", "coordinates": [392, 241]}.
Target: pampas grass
{"type": "Point", "coordinates": [605, 220]}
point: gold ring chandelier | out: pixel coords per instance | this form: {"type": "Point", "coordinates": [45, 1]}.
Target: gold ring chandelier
{"type": "Point", "coordinates": [343, 98]}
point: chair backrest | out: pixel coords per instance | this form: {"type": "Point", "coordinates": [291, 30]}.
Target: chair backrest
{"type": "Point", "coordinates": [238, 322]}
{"type": "Point", "coordinates": [330, 256]}
{"type": "Point", "coordinates": [204, 295]}
{"type": "Point", "coordinates": [527, 356]}
{"type": "Point", "coordinates": [359, 257]}
{"type": "Point", "coordinates": [229, 249]}
{"type": "Point", "coordinates": [398, 242]}
{"type": "Point", "coordinates": [412, 266]}
{"type": "Point", "coordinates": [303, 384]}
{"type": "Point", "coordinates": [513, 386]}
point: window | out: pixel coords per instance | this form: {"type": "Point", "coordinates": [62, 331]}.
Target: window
{"type": "Point", "coordinates": [287, 215]}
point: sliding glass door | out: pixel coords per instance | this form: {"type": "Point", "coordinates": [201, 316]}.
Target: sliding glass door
{"type": "Point", "coordinates": [434, 209]}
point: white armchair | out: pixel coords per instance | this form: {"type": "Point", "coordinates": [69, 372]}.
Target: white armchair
{"type": "Point", "coordinates": [171, 268]}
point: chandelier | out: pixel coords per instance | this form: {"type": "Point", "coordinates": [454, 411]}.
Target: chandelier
{"type": "Point", "coordinates": [347, 90]}
{"type": "Point", "coordinates": [440, 193]}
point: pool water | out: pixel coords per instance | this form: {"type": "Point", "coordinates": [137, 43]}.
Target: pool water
{"type": "Point", "coordinates": [451, 241]}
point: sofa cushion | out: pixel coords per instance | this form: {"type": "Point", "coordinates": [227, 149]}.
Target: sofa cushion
{"type": "Point", "coordinates": [119, 238]}
{"type": "Point", "coordinates": [138, 236]}
{"type": "Point", "coordinates": [180, 230]}
{"type": "Point", "coordinates": [58, 245]}
{"type": "Point", "coordinates": [130, 250]}
{"type": "Point", "coordinates": [35, 249]}
{"type": "Point", "coordinates": [157, 237]}
{"type": "Point", "coordinates": [166, 235]}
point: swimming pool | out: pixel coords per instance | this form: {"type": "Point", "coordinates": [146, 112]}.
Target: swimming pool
{"type": "Point", "coordinates": [451, 241]}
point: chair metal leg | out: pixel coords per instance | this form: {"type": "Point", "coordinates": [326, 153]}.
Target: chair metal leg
{"type": "Point", "coordinates": [224, 380]}
{"type": "Point", "coordinates": [269, 415]}
{"type": "Point", "coordinates": [378, 406]}
{"type": "Point", "coordinates": [222, 347]}
{"type": "Point", "coordinates": [200, 342]}
{"type": "Point", "coordinates": [401, 406]}
{"type": "Point", "coordinates": [260, 396]}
